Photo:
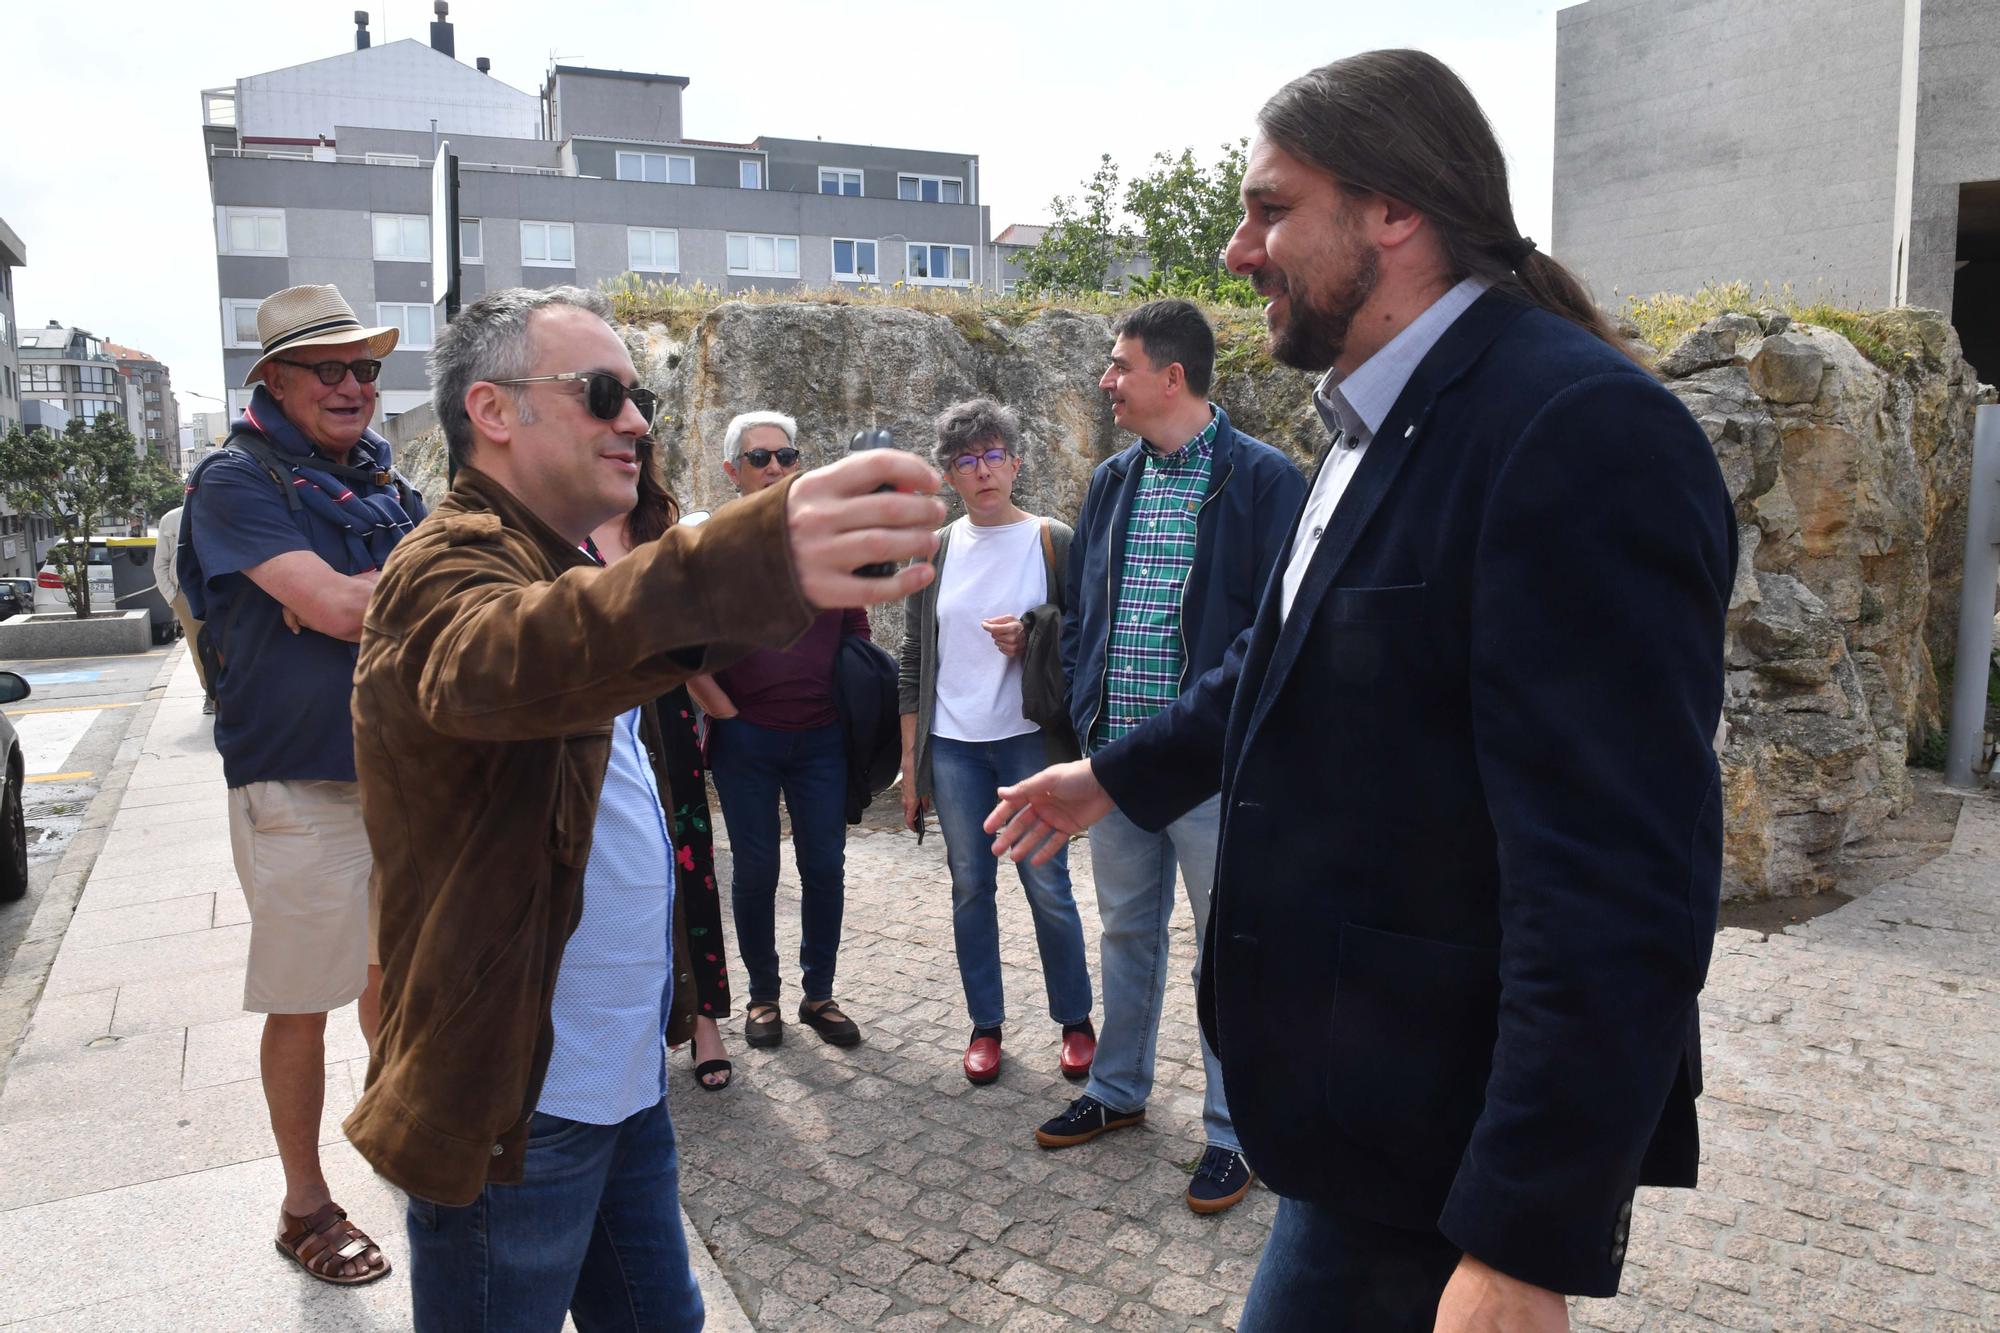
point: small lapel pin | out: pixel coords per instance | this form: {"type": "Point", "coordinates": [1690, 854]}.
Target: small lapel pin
{"type": "Point", "coordinates": [1409, 430]}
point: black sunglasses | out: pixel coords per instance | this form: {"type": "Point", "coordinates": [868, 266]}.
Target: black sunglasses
{"type": "Point", "coordinates": [333, 372]}
{"type": "Point", "coordinates": [762, 457]}
{"type": "Point", "coordinates": [604, 394]}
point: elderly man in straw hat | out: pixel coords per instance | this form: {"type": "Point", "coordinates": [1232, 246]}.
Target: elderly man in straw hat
{"type": "Point", "coordinates": [281, 540]}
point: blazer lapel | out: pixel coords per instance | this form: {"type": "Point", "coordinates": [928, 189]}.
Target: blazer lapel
{"type": "Point", "coordinates": [1401, 433]}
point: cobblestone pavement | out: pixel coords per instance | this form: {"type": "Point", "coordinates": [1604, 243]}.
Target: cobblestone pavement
{"type": "Point", "coordinates": [1853, 1071]}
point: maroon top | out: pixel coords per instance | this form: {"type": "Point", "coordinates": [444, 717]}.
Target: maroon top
{"type": "Point", "coordinates": [792, 690]}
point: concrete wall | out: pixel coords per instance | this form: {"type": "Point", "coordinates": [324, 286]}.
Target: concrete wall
{"type": "Point", "coordinates": [402, 85]}
{"type": "Point", "coordinates": [359, 140]}
{"type": "Point", "coordinates": [795, 165]}
{"type": "Point", "coordinates": [1957, 138]}
{"type": "Point", "coordinates": [714, 167]}
{"type": "Point", "coordinates": [1715, 140]}
{"type": "Point", "coordinates": [10, 373]}
{"type": "Point", "coordinates": [606, 104]}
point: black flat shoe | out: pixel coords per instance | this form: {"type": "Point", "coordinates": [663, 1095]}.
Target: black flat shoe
{"type": "Point", "coordinates": [761, 1026]}
{"type": "Point", "coordinates": [834, 1027]}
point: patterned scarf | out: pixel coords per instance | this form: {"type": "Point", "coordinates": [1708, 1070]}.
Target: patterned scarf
{"type": "Point", "coordinates": [373, 523]}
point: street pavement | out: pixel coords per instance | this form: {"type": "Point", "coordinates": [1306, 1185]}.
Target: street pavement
{"type": "Point", "coordinates": [1853, 1070]}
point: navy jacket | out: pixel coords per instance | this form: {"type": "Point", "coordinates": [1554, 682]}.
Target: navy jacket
{"type": "Point", "coordinates": [1471, 818]}
{"type": "Point", "coordinates": [1254, 492]}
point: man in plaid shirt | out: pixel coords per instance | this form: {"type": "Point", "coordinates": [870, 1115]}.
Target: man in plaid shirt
{"type": "Point", "coordinates": [1177, 538]}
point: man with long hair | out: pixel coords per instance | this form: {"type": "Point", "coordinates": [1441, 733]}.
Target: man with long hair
{"type": "Point", "coordinates": [1471, 839]}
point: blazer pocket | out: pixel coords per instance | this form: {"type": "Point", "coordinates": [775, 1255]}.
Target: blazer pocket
{"type": "Point", "coordinates": [1410, 1041]}
{"type": "Point", "coordinates": [1374, 606]}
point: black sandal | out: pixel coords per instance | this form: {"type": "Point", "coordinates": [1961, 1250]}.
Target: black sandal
{"type": "Point", "coordinates": [834, 1027]}
{"type": "Point", "coordinates": [767, 1030]}
{"type": "Point", "coordinates": [707, 1067]}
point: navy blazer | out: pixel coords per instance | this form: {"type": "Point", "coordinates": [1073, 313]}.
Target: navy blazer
{"type": "Point", "coordinates": [1252, 489]}
{"type": "Point", "coordinates": [1471, 819]}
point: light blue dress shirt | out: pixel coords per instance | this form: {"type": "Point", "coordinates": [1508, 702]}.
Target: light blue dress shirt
{"type": "Point", "coordinates": [616, 983]}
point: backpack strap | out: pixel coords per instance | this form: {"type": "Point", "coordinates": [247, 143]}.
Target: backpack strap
{"type": "Point", "coordinates": [1049, 563]}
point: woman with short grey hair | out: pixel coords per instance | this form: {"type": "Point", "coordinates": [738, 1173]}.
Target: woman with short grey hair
{"type": "Point", "coordinates": [965, 734]}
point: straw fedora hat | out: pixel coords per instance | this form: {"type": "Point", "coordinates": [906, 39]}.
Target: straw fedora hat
{"type": "Point", "coordinates": [312, 316]}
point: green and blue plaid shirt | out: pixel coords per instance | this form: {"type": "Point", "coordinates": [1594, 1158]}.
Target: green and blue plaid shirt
{"type": "Point", "coordinates": [1145, 656]}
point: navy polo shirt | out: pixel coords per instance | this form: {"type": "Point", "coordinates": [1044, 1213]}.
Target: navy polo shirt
{"type": "Point", "coordinates": [281, 710]}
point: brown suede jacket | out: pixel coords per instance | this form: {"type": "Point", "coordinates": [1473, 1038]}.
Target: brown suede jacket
{"type": "Point", "coordinates": [495, 657]}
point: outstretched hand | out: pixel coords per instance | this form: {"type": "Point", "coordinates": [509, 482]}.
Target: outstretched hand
{"type": "Point", "coordinates": [1036, 818]}
{"type": "Point", "coordinates": [839, 523]}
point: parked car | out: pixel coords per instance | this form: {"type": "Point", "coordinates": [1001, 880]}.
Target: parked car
{"type": "Point", "coordinates": [17, 596]}
{"type": "Point", "coordinates": [13, 822]}
{"type": "Point", "coordinates": [121, 579]}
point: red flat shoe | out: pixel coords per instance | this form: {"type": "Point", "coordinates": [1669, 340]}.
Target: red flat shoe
{"type": "Point", "coordinates": [1079, 1049]}
{"type": "Point", "coordinates": [982, 1060]}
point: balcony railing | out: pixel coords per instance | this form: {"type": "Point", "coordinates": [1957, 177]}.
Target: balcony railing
{"type": "Point", "coordinates": [306, 154]}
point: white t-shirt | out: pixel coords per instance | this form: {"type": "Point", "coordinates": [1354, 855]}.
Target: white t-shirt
{"type": "Point", "coordinates": [988, 572]}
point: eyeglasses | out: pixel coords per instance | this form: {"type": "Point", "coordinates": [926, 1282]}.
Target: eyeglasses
{"type": "Point", "coordinates": [786, 456]}
{"type": "Point", "coordinates": [604, 394]}
{"type": "Point", "coordinates": [333, 372]}
{"type": "Point", "coordinates": [968, 462]}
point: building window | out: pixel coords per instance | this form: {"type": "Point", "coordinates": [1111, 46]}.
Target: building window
{"type": "Point", "coordinates": [656, 167]}
{"type": "Point", "coordinates": [391, 159]}
{"type": "Point", "coordinates": [935, 264]}
{"type": "Point", "coordinates": [854, 261]}
{"type": "Point", "coordinates": [90, 409]}
{"type": "Point", "coordinates": [413, 321]}
{"type": "Point", "coordinates": [839, 180]}
{"type": "Point", "coordinates": [97, 379]}
{"type": "Point", "coordinates": [471, 242]}
{"type": "Point", "coordinates": [250, 231]}
{"type": "Point", "coordinates": [750, 174]}
{"type": "Point", "coordinates": [931, 189]}
{"type": "Point", "coordinates": [548, 245]}
{"type": "Point", "coordinates": [402, 236]}
{"type": "Point", "coordinates": [763, 256]}
{"type": "Point", "coordinates": [41, 375]}
{"type": "Point", "coordinates": [239, 324]}
{"type": "Point", "coordinates": [652, 250]}
{"type": "Point", "coordinates": [152, 433]}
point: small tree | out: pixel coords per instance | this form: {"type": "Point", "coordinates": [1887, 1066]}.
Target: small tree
{"type": "Point", "coordinates": [1077, 251]}
{"type": "Point", "coordinates": [1186, 213]}
{"type": "Point", "coordinates": [77, 479]}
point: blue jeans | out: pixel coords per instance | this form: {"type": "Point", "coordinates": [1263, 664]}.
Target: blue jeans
{"type": "Point", "coordinates": [965, 780]}
{"type": "Point", "coordinates": [1134, 870]}
{"type": "Point", "coordinates": [594, 1228]}
{"type": "Point", "coordinates": [752, 766]}
{"type": "Point", "coordinates": [1328, 1272]}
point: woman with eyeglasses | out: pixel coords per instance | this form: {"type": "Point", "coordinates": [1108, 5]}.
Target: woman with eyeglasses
{"type": "Point", "coordinates": [687, 814]}
{"type": "Point", "coordinates": [965, 734]}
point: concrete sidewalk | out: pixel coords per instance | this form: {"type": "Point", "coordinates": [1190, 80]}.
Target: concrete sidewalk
{"type": "Point", "coordinates": [1851, 1125]}
{"type": "Point", "coordinates": [138, 1183]}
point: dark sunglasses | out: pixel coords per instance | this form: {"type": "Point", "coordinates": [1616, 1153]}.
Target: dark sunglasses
{"type": "Point", "coordinates": [604, 394]}
{"type": "Point", "coordinates": [968, 462]}
{"type": "Point", "coordinates": [333, 372]}
{"type": "Point", "coordinates": [786, 456]}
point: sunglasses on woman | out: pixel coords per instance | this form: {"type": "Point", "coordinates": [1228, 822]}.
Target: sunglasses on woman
{"type": "Point", "coordinates": [331, 373]}
{"type": "Point", "coordinates": [604, 394]}
{"type": "Point", "coordinates": [762, 457]}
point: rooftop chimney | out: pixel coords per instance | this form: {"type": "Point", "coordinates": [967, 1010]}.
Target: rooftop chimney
{"type": "Point", "coordinates": [361, 30]}
{"type": "Point", "coordinates": [441, 39]}
{"type": "Point", "coordinates": [485, 65]}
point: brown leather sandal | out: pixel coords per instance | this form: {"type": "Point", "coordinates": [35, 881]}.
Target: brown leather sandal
{"type": "Point", "coordinates": [324, 1243]}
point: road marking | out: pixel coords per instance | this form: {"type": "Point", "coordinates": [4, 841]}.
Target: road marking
{"type": "Point", "coordinates": [62, 777]}
{"type": "Point", "coordinates": [47, 739]}
{"type": "Point", "coordinates": [66, 708]}
{"type": "Point", "coordinates": [61, 677]}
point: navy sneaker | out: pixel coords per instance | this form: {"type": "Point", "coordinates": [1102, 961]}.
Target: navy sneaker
{"type": "Point", "coordinates": [1085, 1119]}
{"type": "Point", "coordinates": [1220, 1182]}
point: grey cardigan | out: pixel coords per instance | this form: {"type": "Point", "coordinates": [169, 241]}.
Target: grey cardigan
{"type": "Point", "coordinates": [916, 682]}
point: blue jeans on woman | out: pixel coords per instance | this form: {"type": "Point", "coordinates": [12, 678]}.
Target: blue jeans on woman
{"type": "Point", "coordinates": [753, 765]}
{"type": "Point", "coordinates": [966, 777]}
{"type": "Point", "coordinates": [593, 1227]}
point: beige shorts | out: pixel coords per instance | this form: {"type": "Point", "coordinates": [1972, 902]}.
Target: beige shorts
{"type": "Point", "coordinates": [302, 857]}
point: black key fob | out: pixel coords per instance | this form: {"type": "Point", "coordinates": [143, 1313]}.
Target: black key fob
{"type": "Point", "coordinates": [874, 437]}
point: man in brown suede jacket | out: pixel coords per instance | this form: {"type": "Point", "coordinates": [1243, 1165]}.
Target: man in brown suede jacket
{"type": "Point", "coordinates": [516, 1091]}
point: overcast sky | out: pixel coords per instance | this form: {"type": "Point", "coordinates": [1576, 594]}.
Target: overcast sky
{"type": "Point", "coordinates": [104, 182]}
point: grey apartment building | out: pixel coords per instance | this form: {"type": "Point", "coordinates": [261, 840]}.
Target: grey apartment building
{"type": "Point", "coordinates": [13, 255]}
{"type": "Point", "coordinates": [156, 419]}
{"type": "Point", "coordinates": [320, 173]}
{"type": "Point", "coordinates": [1848, 148]}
